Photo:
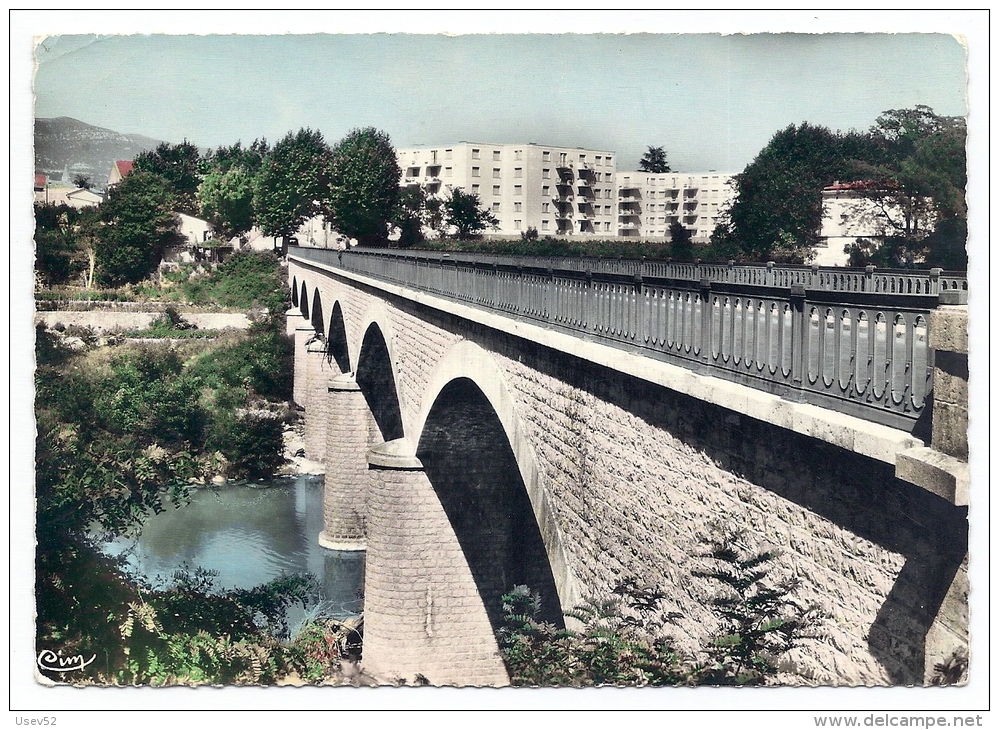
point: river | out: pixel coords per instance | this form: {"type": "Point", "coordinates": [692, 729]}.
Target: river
{"type": "Point", "coordinates": [250, 533]}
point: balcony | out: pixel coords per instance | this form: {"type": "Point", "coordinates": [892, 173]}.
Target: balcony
{"type": "Point", "coordinates": [565, 173]}
{"type": "Point", "coordinates": [627, 226]}
{"type": "Point", "coordinates": [586, 172]}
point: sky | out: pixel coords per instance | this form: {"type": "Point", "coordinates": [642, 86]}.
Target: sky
{"type": "Point", "coordinates": [712, 101]}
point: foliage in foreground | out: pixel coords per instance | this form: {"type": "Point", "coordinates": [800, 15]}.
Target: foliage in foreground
{"type": "Point", "coordinates": [122, 432]}
{"type": "Point", "coordinates": [625, 640]}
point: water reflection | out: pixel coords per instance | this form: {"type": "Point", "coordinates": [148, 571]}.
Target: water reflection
{"type": "Point", "coordinates": [250, 534]}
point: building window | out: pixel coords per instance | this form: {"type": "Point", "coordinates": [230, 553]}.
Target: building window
{"type": "Point", "coordinates": [517, 223]}
{"type": "Point", "coordinates": [447, 154]}
{"type": "Point", "coordinates": [607, 210]}
{"type": "Point", "coordinates": [447, 172]}
{"type": "Point", "coordinates": [517, 207]}
{"type": "Point", "coordinates": [546, 156]}
{"type": "Point", "coordinates": [496, 189]}
{"type": "Point", "coordinates": [496, 154]}
{"type": "Point", "coordinates": [544, 224]}
{"type": "Point", "coordinates": [518, 172]}
{"type": "Point", "coordinates": [475, 172]}
{"type": "Point", "coordinates": [545, 190]}
{"type": "Point", "coordinates": [475, 154]}
{"type": "Point", "coordinates": [546, 173]}
{"type": "Point", "coordinates": [496, 207]}
{"type": "Point", "coordinates": [609, 160]}
{"type": "Point", "coordinates": [475, 188]}
{"type": "Point", "coordinates": [607, 178]}
{"type": "Point", "coordinates": [544, 207]}
{"type": "Point", "coordinates": [518, 154]}
{"type": "Point", "coordinates": [596, 160]}
{"type": "Point", "coordinates": [518, 189]}
{"type": "Point", "coordinates": [607, 226]}
{"type": "Point", "coordinates": [496, 172]}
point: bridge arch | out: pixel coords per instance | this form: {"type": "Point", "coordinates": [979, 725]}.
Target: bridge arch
{"type": "Point", "coordinates": [376, 376]}
{"type": "Point", "coordinates": [303, 301]}
{"type": "Point", "coordinates": [470, 439]}
{"type": "Point", "coordinates": [317, 313]}
{"type": "Point", "coordinates": [337, 349]}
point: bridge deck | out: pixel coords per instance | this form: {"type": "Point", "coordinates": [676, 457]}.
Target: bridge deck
{"type": "Point", "coordinates": [850, 340]}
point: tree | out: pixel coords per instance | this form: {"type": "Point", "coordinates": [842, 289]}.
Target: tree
{"type": "Point", "coordinates": [291, 183]}
{"type": "Point", "coordinates": [82, 181]}
{"type": "Point", "coordinates": [180, 166]}
{"type": "Point", "coordinates": [461, 212]}
{"type": "Point", "coordinates": [777, 210]}
{"type": "Point", "coordinates": [59, 243]}
{"type": "Point", "coordinates": [364, 179]}
{"type": "Point", "coordinates": [681, 247]}
{"type": "Point", "coordinates": [914, 189]}
{"type": "Point", "coordinates": [654, 161]}
{"type": "Point", "coordinates": [410, 215]}
{"type": "Point", "coordinates": [225, 196]}
{"type": "Point", "coordinates": [137, 224]}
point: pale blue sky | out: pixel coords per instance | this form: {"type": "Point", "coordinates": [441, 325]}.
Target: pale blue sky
{"type": "Point", "coordinates": [713, 101]}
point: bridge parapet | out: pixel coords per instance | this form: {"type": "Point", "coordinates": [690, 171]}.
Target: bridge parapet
{"type": "Point", "coordinates": [851, 340]}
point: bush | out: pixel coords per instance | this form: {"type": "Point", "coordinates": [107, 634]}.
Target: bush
{"type": "Point", "coordinates": [625, 638]}
{"type": "Point", "coordinates": [252, 443]}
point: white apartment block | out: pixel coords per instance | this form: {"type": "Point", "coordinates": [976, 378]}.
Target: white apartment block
{"type": "Point", "coordinates": [557, 190]}
{"type": "Point", "coordinates": [568, 191]}
{"type": "Point", "coordinates": [649, 202]}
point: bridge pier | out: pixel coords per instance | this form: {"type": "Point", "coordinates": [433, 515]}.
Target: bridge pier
{"type": "Point", "coordinates": [347, 443]}
{"type": "Point", "coordinates": [303, 332]}
{"type": "Point", "coordinates": [317, 376]}
{"type": "Point", "coordinates": [423, 614]}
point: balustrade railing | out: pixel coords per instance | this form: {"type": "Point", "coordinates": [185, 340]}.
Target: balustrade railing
{"type": "Point", "coordinates": [848, 339]}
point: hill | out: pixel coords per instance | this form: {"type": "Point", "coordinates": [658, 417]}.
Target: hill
{"type": "Point", "coordinates": [66, 147]}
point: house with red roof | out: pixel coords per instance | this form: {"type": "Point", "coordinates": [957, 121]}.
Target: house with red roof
{"type": "Point", "coordinates": [119, 170]}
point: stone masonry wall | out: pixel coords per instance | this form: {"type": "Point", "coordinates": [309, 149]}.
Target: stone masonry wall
{"type": "Point", "coordinates": [639, 474]}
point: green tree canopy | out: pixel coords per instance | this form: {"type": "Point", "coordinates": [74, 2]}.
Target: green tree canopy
{"type": "Point", "coordinates": [410, 215]}
{"type": "Point", "coordinates": [681, 247]}
{"type": "Point", "coordinates": [364, 186]}
{"type": "Point", "coordinates": [59, 248]}
{"type": "Point", "coordinates": [463, 217]}
{"type": "Point", "coordinates": [180, 165]}
{"type": "Point", "coordinates": [291, 183]}
{"type": "Point", "coordinates": [915, 185]}
{"type": "Point", "coordinates": [654, 160]}
{"type": "Point", "coordinates": [911, 173]}
{"type": "Point", "coordinates": [777, 210]}
{"type": "Point", "coordinates": [137, 224]}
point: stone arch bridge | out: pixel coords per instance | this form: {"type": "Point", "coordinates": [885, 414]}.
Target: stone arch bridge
{"type": "Point", "coordinates": [488, 422]}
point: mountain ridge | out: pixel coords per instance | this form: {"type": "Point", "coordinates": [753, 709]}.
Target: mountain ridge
{"type": "Point", "coordinates": [66, 147]}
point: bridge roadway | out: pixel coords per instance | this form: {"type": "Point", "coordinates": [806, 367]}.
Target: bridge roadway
{"type": "Point", "coordinates": [489, 421]}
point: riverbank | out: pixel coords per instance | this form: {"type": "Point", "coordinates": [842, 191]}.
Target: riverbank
{"type": "Point", "coordinates": [294, 452]}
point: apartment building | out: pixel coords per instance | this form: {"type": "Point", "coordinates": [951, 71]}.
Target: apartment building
{"type": "Point", "coordinates": [557, 190]}
{"type": "Point", "coordinates": [649, 202]}
{"type": "Point", "coordinates": [568, 191]}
